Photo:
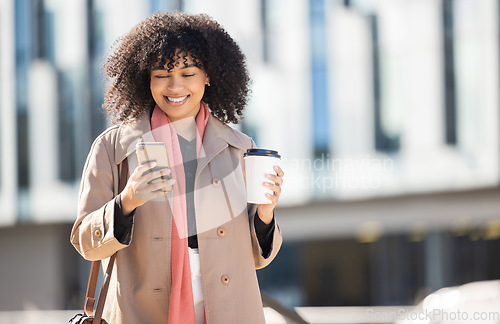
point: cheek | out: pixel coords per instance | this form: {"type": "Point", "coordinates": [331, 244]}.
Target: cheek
{"type": "Point", "coordinates": [202, 90]}
{"type": "Point", "coordinates": [200, 87]}
{"type": "Point", "coordinates": [153, 86]}
{"type": "Point", "coordinates": [155, 93]}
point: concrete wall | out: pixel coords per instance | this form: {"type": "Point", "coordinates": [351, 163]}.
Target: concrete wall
{"type": "Point", "coordinates": [39, 269]}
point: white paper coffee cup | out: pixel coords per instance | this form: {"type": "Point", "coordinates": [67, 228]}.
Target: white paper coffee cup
{"type": "Point", "coordinates": [258, 163]}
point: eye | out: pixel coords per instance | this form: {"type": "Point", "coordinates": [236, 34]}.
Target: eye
{"type": "Point", "coordinates": [188, 75]}
{"type": "Point", "coordinates": [161, 76]}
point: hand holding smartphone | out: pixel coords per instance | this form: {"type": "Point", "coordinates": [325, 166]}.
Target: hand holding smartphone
{"type": "Point", "coordinates": [148, 152]}
{"type": "Point", "coordinates": [150, 179]}
{"type": "Point", "coordinates": [152, 151]}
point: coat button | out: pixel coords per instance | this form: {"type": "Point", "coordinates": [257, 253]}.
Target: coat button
{"type": "Point", "coordinates": [225, 279]}
{"type": "Point", "coordinates": [216, 182]}
{"type": "Point", "coordinates": [221, 232]}
{"type": "Point", "coordinates": [97, 233]}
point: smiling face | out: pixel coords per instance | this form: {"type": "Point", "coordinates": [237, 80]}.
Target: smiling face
{"type": "Point", "coordinates": [178, 92]}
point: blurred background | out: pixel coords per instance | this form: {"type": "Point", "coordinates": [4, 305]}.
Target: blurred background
{"type": "Point", "coordinates": [386, 114]}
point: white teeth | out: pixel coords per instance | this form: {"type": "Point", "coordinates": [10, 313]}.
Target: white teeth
{"type": "Point", "coordinates": [177, 99]}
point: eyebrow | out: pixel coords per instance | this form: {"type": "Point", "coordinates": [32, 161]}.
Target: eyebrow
{"type": "Point", "coordinates": [184, 67]}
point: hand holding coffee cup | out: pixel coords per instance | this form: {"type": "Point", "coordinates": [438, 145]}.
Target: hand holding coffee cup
{"type": "Point", "coordinates": [263, 180]}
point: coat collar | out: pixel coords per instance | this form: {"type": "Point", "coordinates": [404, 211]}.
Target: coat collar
{"type": "Point", "coordinates": [216, 138]}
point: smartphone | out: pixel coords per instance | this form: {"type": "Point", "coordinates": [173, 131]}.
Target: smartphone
{"type": "Point", "coordinates": [152, 151]}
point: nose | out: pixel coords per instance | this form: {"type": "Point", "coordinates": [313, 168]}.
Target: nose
{"type": "Point", "coordinates": [175, 83]}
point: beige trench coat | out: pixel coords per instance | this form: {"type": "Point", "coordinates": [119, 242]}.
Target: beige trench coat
{"type": "Point", "coordinates": [139, 291]}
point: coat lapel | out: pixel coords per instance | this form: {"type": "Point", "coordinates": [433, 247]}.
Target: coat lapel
{"type": "Point", "coordinates": [217, 137]}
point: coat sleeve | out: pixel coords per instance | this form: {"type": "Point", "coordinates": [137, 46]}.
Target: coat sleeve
{"type": "Point", "coordinates": [93, 232]}
{"type": "Point", "coordinates": [277, 240]}
{"type": "Point", "coordinates": [260, 261]}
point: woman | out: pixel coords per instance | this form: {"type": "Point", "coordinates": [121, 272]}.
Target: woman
{"type": "Point", "coordinates": [187, 242]}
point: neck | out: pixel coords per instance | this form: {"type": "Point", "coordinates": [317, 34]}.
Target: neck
{"type": "Point", "coordinates": [186, 127]}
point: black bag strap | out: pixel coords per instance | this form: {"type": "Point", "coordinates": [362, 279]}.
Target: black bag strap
{"type": "Point", "coordinates": [88, 308]}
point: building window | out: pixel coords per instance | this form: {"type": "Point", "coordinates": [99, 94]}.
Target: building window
{"type": "Point", "coordinates": [165, 5]}
{"type": "Point", "coordinates": [96, 49]}
{"type": "Point", "coordinates": [1, 110]}
{"type": "Point", "coordinates": [265, 30]}
{"type": "Point", "coordinates": [384, 141]}
{"type": "Point", "coordinates": [67, 169]}
{"type": "Point", "coordinates": [321, 133]}
{"type": "Point", "coordinates": [44, 29]}
{"type": "Point", "coordinates": [450, 109]}
{"type": "Point", "coordinates": [24, 41]}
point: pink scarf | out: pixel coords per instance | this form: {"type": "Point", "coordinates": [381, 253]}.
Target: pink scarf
{"type": "Point", "coordinates": [181, 307]}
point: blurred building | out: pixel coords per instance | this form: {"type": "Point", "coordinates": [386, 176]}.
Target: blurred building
{"type": "Point", "coordinates": [386, 113]}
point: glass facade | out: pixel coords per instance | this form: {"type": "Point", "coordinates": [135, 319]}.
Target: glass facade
{"type": "Point", "coordinates": [364, 99]}
{"type": "Point", "coordinates": [65, 42]}
{"type": "Point", "coordinates": [360, 110]}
